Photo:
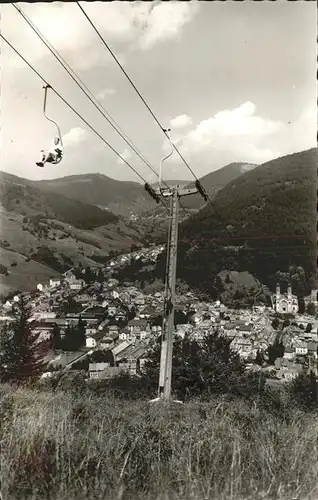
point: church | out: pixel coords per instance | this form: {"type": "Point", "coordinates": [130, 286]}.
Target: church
{"type": "Point", "coordinates": [285, 303]}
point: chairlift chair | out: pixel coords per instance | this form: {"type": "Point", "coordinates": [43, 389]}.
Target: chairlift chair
{"type": "Point", "coordinates": [50, 157]}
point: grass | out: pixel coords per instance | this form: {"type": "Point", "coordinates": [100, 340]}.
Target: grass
{"type": "Point", "coordinates": [72, 446]}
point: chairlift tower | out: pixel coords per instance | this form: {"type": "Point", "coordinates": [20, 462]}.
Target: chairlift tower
{"type": "Point", "coordinates": [174, 193]}
{"type": "Point", "coordinates": [165, 375]}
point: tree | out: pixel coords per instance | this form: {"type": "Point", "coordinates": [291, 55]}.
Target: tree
{"type": "Point", "coordinates": [275, 351]}
{"type": "Point", "coordinates": [103, 356]}
{"type": "Point", "coordinates": [21, 352]}
{"type": "Point", "coordinates": [70, 306]}
{"type": "Point", "coordinates": [80, 333]}
{"type": "Point", "coordinates": [202, 369]}
{"type": "Point", "coordinates": [180, 318]}
{"type": "Point", "coordinates": [304, 390]}
{"type": "Point", "coordinates": [308, 328]}
{"type": "Point", "coordinates": [311, 309]}
{"type": "Point", "coordinates": [67, 341]}
{"type": "Point", "coordinates": [275, 323]}
{"type": "Point", "coordinates": [56, 337]}
{"type": "Point", "coordinates": [259, 360]}
{"type": "Point", "coordinates": [89, 276]}
{"type": "Point", "coordinates": [301, 305]}
{"type": "Point", "coordinates": [74, 337]}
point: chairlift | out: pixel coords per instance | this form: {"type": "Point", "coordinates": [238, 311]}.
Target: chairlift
{"type": "Point", "coordinates": [55, 154]}
{"type": "Point", "coordinates": [166, 131]}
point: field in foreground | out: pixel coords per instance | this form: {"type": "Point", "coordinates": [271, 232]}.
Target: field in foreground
{"type": "Point", "coordinates": [66, 446]}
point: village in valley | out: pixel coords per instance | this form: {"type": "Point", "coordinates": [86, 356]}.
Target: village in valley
{"type": "Point", "coordinates": [120, 322]}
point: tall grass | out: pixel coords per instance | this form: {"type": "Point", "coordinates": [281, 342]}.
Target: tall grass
{"type": "Point", "coordinates": [65, 446]}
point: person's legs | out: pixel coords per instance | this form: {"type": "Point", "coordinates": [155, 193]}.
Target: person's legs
{"type": "Point", "coordinates": [50, 158]}
{"type": "Point", "coordinates": [43, 161]}
{"type": "Point", "coordinates": [47, 158]}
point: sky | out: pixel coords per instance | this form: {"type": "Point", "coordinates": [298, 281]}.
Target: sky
{"type": "Point", "coordinates": [235, 81]}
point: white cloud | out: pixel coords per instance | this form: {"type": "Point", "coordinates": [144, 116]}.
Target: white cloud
{"type": "Point", "coordinates": [74, 137]}
{"type": "Point", "coordinates": [240, 134]}
{"type": "Point", "coordinates": [105, 92]}
{"type": "Point", "coordinates": [126, 155]}
{"type": "Point", "coordinates": [164, 21]}
{"type": "Point", "coordinates": [181, 121]}
{"type": "Point", "coordinates": [65, 27]}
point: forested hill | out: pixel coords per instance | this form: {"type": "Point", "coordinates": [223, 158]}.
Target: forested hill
{"type": "Point", "coordinates": [217, 180]}
{"type": "Point", "coordinates": [276, 198]}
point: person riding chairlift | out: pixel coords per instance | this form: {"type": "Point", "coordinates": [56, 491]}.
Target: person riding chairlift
{"type": "Point", "coordinates": [53, 155]}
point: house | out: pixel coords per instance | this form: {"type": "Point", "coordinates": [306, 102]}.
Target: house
{"type": "Point", "coordinates": [106, 373]}
{"type": "Point", "coordinates": [138, 325]}
{"type": "Point", "coordinates": [290, 373]}
{"type": "Point", "coordinates": [129, 366]}
{"type": "Point", "coordinates": [60, 322]}
{"type": "Point", "coordinates": [103, 324]}
{"type": "Point", "coordinates": [54, 282]}
{"type": "Point", "coordinates": [119, 348]}
{"type": "Point", "coordinates": [139, 300]}
{"type": "Point", "coordinates": [124, 334]}
{"type": "Point", "coordinates": [90, 330]}
{"type": "Point", "coordinates": [289, 353]}
{"type": "Point", "coordinates": [301, 348]}
{"type": "Point", "coordinates": [197, 318]}
{"type": "Point", "coordinates": [96, 369]}
{"type": "Point", "coordinates": [285, 304]}
{"type": "Point", "coordinates": [229, 330]}
{"type": "Point", "coordinates": [242, 346]}
{"type": "Point", "coordinates": [91, 322]}
{"type": "Point", "coordinates": [149, 312]}
{"type": "Point", "coordinates": [112, 310]}
{"type": "Point", "coordinates": [129, 357]}
{"type": "Point", "coordinates": [198, 334]}
{"type": "Point", "coordinates": [109, 340]}
{"type": "Point", "coordinates": [245, 329]}
{"type": "Point", "coordinates": [44, 315]}
{"type": "Point", "coordinates": [143, 334]}
{"type": "Point", "coordinates": [77, 285]}
{"type": "Point", "coordinates": [42, 334]}
{"type": "Point", "coordinates": [94, 339]}
{"type": "Point", "coordinates": [312, 348]}
{"type": "Point", "coordinates": [120, 315]}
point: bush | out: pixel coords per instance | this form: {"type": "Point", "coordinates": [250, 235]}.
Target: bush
{"type": "Point", "coordinates": [3, 270]}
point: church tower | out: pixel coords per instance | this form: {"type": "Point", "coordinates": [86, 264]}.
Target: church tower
{"type": "Point", "coordinates": [313, 297]}
{"type": "Point", "coordinates": [289, 292]}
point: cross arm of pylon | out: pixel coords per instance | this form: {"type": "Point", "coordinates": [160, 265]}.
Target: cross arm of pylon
{"type": "Point", "coordinates": [187, 192]}
{"type": "Point", "coordinates": [152, 193]}
{"type": "Point", "coordinates": [201, 190]}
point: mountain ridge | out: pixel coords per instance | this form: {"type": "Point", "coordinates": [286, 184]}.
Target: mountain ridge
{"type": "Point", "coordinates": [127, 197]}
{"type": "Point", "coordinates": [276, 198]}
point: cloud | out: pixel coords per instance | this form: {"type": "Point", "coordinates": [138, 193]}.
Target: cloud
{"type": "Point", "coordinates": [164, 21]}
{"type": "Point", "coordinates": [66, 28]}
{"type": "Point", "coordinates": [240, 134]}
{"type": "Point", "coordinates": [126, 155]}
{"type": "Point", "coordinates": [74, 137]}
{"type": "Point", "coordinates": [105, 92]}
{"type": "Point", "coordinates": [181, 121]}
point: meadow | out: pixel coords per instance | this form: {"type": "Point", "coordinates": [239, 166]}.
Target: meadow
{"type": "Point", "coordinates": [68, 445]}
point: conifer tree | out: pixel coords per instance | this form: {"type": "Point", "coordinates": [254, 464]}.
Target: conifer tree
{"type": "Point", "coordinates": [21, 351]}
